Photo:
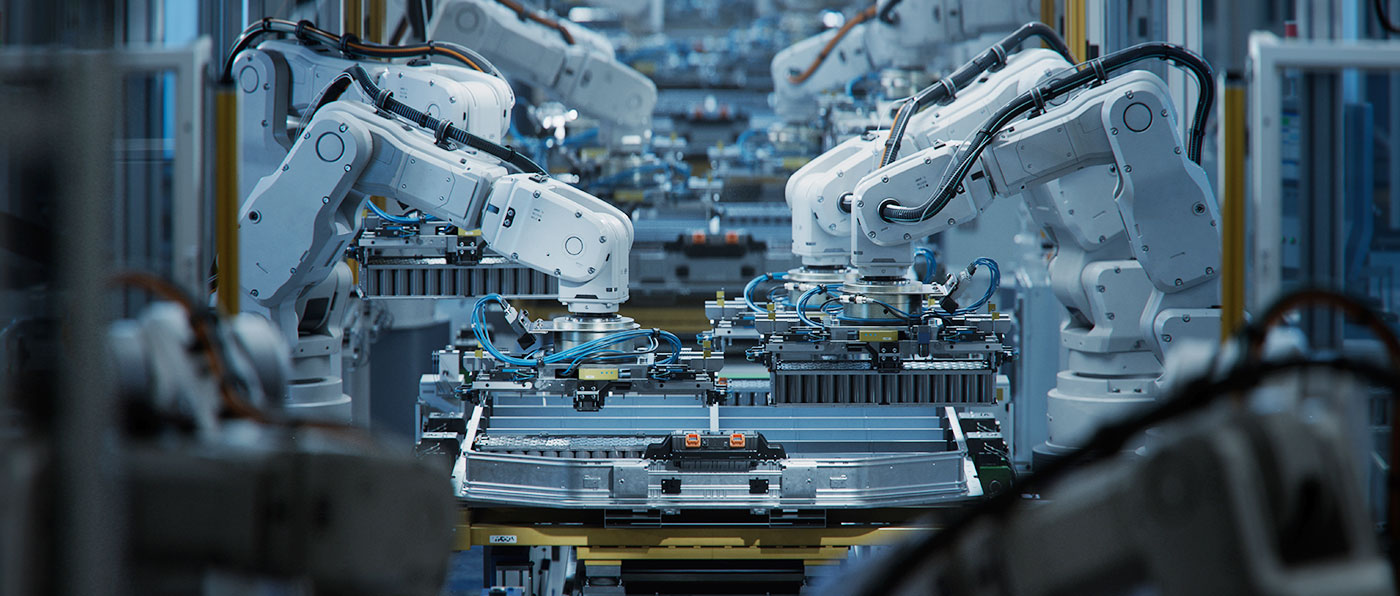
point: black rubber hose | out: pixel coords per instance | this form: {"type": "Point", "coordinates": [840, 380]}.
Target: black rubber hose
{"type": "Point", "coordinates": [993, 57]}
{"type": "Point", "coordinates": [1093, 71]}
{"type": "Point", "coordinates": [1384, 17]}
{"type": "Point", "coordinates": [383, 99]}
{"type": "Point", "coordinates": [348, 44]}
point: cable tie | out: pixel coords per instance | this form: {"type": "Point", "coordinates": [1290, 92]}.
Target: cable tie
{"type": "Point", "coordinates": [442, 132]}
{"type": "Point", "coordinates": [300, 32]}
{"type": "Point", "coordinates": [1099, 72]}
{"type": "Point", "coordinates": [1039, 98]}
{"type": "Point", "coordinates": [382, 98]}
{"type": "Point", "coordinates": [345, 41]}
{"type": "Point", "coordinates": [999, 57]}
{"type": "Point", "coordinates": [952, 94]}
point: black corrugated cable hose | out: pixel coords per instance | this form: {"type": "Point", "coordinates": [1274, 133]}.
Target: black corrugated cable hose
{"type": "Point", "coordinates": [384, 100]}
{"type": "Point", "coordinates": [348, 44]}
{"type": "Point", "coordinates": [939, 92]}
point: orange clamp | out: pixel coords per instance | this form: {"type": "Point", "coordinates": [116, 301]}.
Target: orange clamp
{"type": "Point", "coordinates": [692, 440]}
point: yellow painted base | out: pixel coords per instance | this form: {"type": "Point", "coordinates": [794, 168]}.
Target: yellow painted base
{"type": "Point", "coordinates": [616, 544]}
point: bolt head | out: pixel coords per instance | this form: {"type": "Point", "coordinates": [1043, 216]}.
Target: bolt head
{"type": "Point", "coordinates": [1113, 131]}
{"type": "Point", "coordinates": [952, 221]}
{"type": "Point", "coordinates": [347, 167]}
{"type": "Point", "coordinates": [325, 200]}
{"type": "Point", "coordinates": [253, 292]}
{"type": "Point", "coordinates": [1166, 337]}
{"type": "Point", "coordinates": [1127, 168]}
{"type": "Point", "coordinates": [343, 128]}
{"type": "Point", "coordinates": [870, 234]}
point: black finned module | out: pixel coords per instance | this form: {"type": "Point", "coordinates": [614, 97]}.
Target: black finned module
{"type": "Point", "coordinates": [692, 450]}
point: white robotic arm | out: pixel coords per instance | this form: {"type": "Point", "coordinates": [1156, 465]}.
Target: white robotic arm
{"type": "Point", "coordinates": [279, 81]}
{"type": "Point", "coordinates": [819, 192]}
{"type": "Point", "coordinates": [894, 33]}
{"type": "Point", "coordinates": [1162, 199]}
{"type": "Point", "coordinates": [297, 222]}
{"type": "Point", "coordinates": [1132, 217]}
{"type": "Point", "coordinates": [575, 64]}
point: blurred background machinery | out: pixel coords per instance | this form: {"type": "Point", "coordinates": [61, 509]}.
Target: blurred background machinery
{"type": "Point", "coordinates": [550, 297]}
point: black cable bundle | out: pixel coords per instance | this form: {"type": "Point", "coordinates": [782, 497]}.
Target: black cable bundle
{"type": "Point", "coordinates": [945, 89]}
{"type": "Point", "coordinates": [349, 45]}
{"type": "Point", "coordinates": [1091, 72]}
{"type": "Point", "coordinates": [384, 100]}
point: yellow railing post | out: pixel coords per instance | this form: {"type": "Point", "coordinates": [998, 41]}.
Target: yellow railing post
{"type": "Point", "coordinates": [1077, 29]}
{"type": "Point", "coordinates": [1232, 209]}
{"type": "Point", "coordinates": [226, 197]}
